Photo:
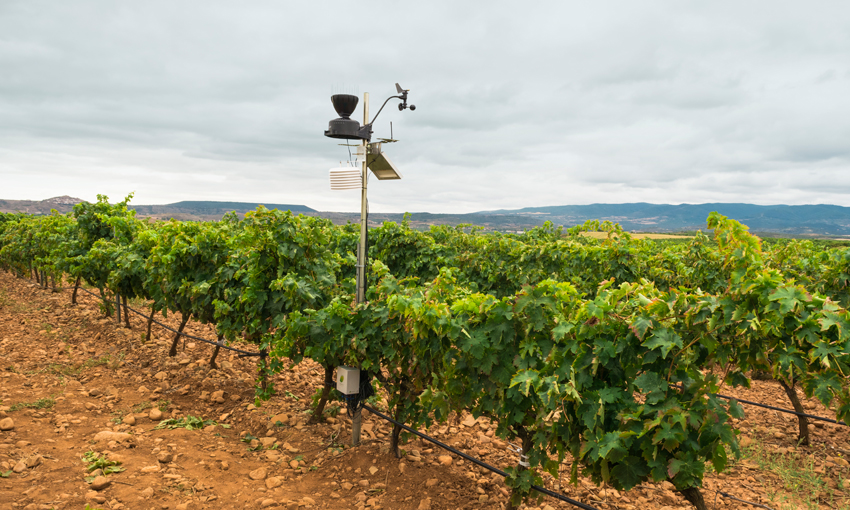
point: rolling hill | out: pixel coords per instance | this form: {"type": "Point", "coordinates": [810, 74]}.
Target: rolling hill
{"type": "Point", "coordinates": [818, 219]}
{"type": "Point", "coordinates": [785, 220]}
{"type": "Point", "coordinates": [187, 210]}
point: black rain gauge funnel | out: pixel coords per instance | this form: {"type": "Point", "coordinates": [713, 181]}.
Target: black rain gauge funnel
{"type": "Point", "coordinates": [345, 127]}
{"type": "Point", "coordinates": [344, 104]}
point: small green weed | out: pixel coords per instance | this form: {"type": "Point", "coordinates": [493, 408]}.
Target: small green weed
{"type": "Point", "coordinates": [106, 359]}
{"type": "Point", "coordinates": [142, 406]}
{"type": "Point", "coordinates": [94, 461]}
{"type": "Point", "coordinates": [61, 370]}
{"type": "Point", "coordinates": [95, 362]}
{"type": "Point", "coordinates": [292, 395]}
{"type": "Point", "coordinates": [42, 403]}
{"type": "Point", "coordinates": [118, 417]}
{"type": "Point", "coordinates": [162, 405]}
{"type": "Point", "coordinates": [248, 438]}
{"type": "Point", "coordinates": [137, 302]}
{"type": "Point", "coordinates": [188, 423]}
{"type": "Point", "coordinates": [7, 474]}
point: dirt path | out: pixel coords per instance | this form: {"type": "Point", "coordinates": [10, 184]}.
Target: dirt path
{"type": "Point", "coordinates": [79, 391]}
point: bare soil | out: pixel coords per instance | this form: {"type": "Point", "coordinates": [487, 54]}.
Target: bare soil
{"type": "Point", "coordinates": [68, 374]}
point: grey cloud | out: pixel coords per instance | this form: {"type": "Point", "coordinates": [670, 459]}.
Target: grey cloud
{"type": "Point", "coordinates": [551, 104]}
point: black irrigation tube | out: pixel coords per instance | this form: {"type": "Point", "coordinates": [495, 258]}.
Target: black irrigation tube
{"type": "Point", "coordinates": [459, 453]}
{"type": "Point", "coordinates": [727, 495]}
{"type": "Point", "coordinates": [781, 410]}
{"type": "Point", "coordinates": [772, 408]}
{"type": "Point", "coordinates": [242, 354]}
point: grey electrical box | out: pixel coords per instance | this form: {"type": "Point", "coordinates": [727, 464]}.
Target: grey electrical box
{"type": "Point", "coordinates": [348, 380]}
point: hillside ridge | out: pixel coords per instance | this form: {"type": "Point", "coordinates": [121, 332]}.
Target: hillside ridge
{"type": "Point", "coordinates": [792, 220]}
{"type": "Point", "coordinates": [822, 219]}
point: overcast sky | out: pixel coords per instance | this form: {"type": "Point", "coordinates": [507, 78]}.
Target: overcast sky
{"type": "Point", "coordinates": [518, 104]}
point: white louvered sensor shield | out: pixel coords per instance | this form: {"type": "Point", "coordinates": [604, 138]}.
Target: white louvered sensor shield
{"type": "Point", "coordinates": [345, 178]}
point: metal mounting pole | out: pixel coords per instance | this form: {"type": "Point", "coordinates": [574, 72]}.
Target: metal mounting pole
{"type": "Point", "coordinates": [361, 253]}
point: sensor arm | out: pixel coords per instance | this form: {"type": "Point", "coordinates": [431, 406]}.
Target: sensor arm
{"type": "Point", "coordinates": [403, 98]}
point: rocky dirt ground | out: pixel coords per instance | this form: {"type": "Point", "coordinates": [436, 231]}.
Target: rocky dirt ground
{"type": "Point", "coordinates": [85, 407]}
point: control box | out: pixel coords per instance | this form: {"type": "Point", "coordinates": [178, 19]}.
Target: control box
{"type": "Point", "coordinates": [348, 380]}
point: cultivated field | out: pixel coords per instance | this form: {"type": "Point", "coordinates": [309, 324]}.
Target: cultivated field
{"type": "Point", "coordinates": [77, 387]}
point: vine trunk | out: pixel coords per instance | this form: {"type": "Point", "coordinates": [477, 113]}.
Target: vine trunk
{"type": "Point", "coordinates": [150, 323]}
{"type": "Point", "coordinates": [173, 351]}
{"type": "Point", "coordinates": [126, 312]}
{"type": "Point", "coordinates": [213, 364]}
{"type": "Point", "coordinates": [802, 421]}
{"type": "Point", "coordinates": [76, 288]}
{"type": "Point", "coordinates": [318, 412]}
{"type": "Point", "coordinates": [694, 497]}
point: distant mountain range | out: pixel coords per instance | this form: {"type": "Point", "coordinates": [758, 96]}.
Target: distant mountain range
{"type": "Point", "coordinates": [188, 210]}
{"type": "Point", "coordinates": [194, 210]}
{"type": "Point", "coordinates": [781, 219]}
{"type": "Point", "coordinates": [788, 220]}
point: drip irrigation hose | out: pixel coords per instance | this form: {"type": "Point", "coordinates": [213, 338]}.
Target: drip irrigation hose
{"type": "Point", "coordinates": [242, 354]}
{"type": "Point", "coordinates": [788, 411]}
{"type": "Point", "coordinates": [459, 453]}
{"type": "Point", "coordinates": [727, 495]}
{"type": "Point", "coordinates": [772, 408]}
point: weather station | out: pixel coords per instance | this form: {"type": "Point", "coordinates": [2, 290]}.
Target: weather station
{"type": "Point", "coordinates": [352, 382]}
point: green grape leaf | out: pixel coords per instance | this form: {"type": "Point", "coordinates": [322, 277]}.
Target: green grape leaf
{"type": "Point", "coordinates": [666, 339]}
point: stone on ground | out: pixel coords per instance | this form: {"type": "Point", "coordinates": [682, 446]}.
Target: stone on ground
{"type": "Point", "coordinates": [100, 483]}
{"type": "Point", "coordinates": [258, 474]}
{"type": "Point", "coordinates": [108, 435]}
